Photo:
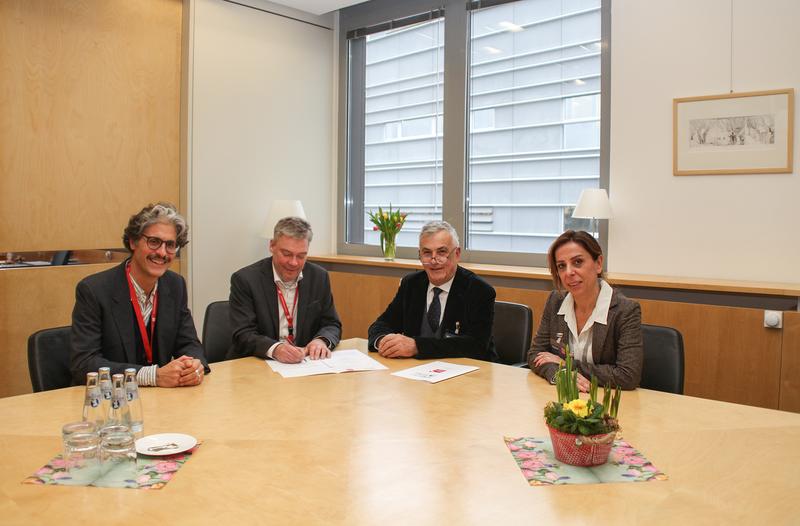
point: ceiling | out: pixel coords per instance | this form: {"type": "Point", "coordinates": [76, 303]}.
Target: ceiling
{"type": "Point", "coordinates": [317, 7]}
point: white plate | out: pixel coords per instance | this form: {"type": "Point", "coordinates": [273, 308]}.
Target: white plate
{"type": "Point", "coordinates": [165, 444]}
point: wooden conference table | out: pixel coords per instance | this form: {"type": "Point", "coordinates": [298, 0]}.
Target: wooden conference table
{"type": "Point", "coordinates": [370, 448]}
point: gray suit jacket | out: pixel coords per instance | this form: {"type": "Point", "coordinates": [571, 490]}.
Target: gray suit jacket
{"type": "Point", "coordinates": [103, 324]}
{"type": "Point", "coordinates": [616, 347]}
{"type": "Point", "coordinates": [254, 309]}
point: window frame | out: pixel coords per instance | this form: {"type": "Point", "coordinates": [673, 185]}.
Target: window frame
{"type": "Point", "coordinates": [455, 121]}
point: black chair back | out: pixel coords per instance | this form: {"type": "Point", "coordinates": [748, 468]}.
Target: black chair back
{"type": "Point", "coordinates": [513, 323]}
{"type": "Point", "coordinates": [663, 359]}
{"type": "Point", "coordinates": [48, 359]}
{"type": "Point", "coordinates": [217, 333]}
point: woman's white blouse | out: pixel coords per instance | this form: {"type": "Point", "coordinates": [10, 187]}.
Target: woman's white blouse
{"type": "Point", "coordinates": [581, 344]}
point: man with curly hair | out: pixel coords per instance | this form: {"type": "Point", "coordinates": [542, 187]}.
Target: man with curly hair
{"type": "Point", "coordinates": [136, 314]}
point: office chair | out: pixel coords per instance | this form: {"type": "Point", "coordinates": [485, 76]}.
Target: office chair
{"type": "Point", "coordinates": [513, 323]}
{"type": "Point", "coordinates": [663, 359]}
{"type": "Point", "coordinates": [217, 334]}
{"type": "Point", "coordinates": [61, 257]}
{"type": "Point", "coordinates": [48, 359]}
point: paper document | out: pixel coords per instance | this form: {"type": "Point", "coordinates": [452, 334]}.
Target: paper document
{"type": "Point", "coordinates": [435, 371]}
{"type": "Point", "coordinates": [342, 361]}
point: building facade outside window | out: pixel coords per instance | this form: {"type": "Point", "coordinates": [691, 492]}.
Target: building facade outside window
{"type": "Point", "coordinates": [499, 136]}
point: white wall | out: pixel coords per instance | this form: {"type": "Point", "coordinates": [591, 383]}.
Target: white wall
{"type": "Point", "coordinates": [262, 122]}
{"type": "Point", "coordinates": [260, 128]}
{"type": "Point", "coordinates": [741, 227]}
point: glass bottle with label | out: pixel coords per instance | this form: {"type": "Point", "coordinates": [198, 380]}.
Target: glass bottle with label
{"type": "Point", "coordinates": [134, 402]}
{"type": "Point", "coordinates": [119, 413]}
{"type": "Point", "coordinates": [106, 389]}
{"type": "Point", "coordinates": [92, 402]}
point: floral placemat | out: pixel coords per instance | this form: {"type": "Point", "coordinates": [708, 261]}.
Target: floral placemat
{"type": "Point", "coordinates": [151, 473]}
{"type": "Point", "coordinates": [539, 466]}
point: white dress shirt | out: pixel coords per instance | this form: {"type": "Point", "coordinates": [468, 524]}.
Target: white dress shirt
{"type": "Point", "coordinates": [289, 291]}
{"type": "Point", "coordinates": [145, 376]}
{"type": "Point", "coordinates": [442, 296]}
{"type": "Point", "coordinates": [581, 344]}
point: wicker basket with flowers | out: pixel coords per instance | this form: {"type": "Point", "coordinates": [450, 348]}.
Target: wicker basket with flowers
{"type": "Point", "coordinates": [582, 431]}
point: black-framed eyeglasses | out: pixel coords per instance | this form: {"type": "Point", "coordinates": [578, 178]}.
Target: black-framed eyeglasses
{"type": "Point", "coordinates": [154, 243]}
{"type": "Point", "coordinates": [440, 256]}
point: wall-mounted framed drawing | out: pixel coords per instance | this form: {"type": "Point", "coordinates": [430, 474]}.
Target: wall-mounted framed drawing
{"type": "Point", "coordinates": [735, 133]}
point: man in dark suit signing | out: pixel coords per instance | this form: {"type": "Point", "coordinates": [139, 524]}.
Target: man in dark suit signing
{"type": "Point", "coordinates": [281, 307]}
{"type": "Point", "coordinates": [443, 311]}
{"type": "Point", "coordinates": [136, 314]}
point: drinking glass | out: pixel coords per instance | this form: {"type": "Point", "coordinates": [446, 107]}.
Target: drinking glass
{"type": "Point", "coordinates": [73, 428]}
{"type": "Point", "coordinates": [118, 457]}
{"type": "Point", "coordinates": [112, 429]}
{"type": "Point", "coordinates": [82, 458]}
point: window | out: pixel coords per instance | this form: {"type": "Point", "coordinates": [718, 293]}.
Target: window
{"type": "Point", "coordinates": [401, 153]}
{"type": "Point", "coordinates": [536, 66]}
{"type": "Point", "coordinates": [499, 136]}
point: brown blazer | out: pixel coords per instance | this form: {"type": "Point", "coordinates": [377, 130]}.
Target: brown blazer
{"type": "Point", "coordinates": [616, 347]}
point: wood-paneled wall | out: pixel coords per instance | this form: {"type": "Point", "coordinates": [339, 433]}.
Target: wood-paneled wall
{"type": "Point", "coordinates": [89, 118]}
{"type": "Point", "coordinates": [790, 363]}
{"type": "Point", "coordinates": [730, 356]}
{"type": "Point", "coordinates": [360, 299]}
{"type": "Point", "coordinates": [89, 133]}
{"type": "Point", "coordinates": [33, 299]}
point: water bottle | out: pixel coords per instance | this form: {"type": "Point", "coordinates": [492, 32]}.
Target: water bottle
{"type": "Point", "coordinates": [134, 402]}
{"type": "Point", "coordinates": [119, 413]}
{"type": "Point", "coordinates": [92, 403]}
{"type": "Point", "coordinates": [105, 389]}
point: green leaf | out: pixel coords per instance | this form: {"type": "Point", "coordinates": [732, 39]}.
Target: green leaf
{"type": "Point", "coordinates": [616, 401]}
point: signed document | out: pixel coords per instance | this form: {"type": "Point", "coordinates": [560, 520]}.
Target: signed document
{"type": "Point", "coordinates": [341, 361]}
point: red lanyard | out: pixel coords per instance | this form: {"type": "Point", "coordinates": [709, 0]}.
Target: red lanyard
{"type": "Point", "coordinates": [148, 348]}
{"type": "Point", "coordinates": [289, 315]}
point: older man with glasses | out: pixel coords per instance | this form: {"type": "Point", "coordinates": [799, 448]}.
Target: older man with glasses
{"type": "Point", "coordinates": [136, 314]}
{"type": "Point", "coordinates": [442, 311]}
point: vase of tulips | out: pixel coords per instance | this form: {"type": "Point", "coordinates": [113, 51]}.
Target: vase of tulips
{"type": "Point", "coordinates": [582, 431]}
{"type": "Point", "coordinates": [388, 223]}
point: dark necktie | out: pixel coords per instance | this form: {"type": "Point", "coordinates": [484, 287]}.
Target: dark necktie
{"type": "Point", "coordinates": [435, 310]}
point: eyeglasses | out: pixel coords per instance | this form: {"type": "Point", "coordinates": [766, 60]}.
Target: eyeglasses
{"type": "Point", "coordinates": [154, 243]}
{"type": "Point", "coordinates": [439, 256]}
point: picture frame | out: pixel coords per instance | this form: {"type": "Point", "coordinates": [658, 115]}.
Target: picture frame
{"type": "Point", "coordinates": [735, 133]}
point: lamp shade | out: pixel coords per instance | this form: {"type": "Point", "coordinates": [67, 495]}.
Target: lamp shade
{"type": "Point", "coordinates": [279, 209]}
{"type": "Point", "coordinates": [593, 204]}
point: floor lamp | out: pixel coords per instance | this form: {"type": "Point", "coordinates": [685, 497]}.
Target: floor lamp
{"type": "Point", "coordinates": [593, 204]}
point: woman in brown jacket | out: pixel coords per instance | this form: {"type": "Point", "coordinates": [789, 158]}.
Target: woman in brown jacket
{"type": "Point", "coordinates": [602, 327]}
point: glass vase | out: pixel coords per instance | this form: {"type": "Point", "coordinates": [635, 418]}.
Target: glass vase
{"type": "Point", "coordinates": [389, 247]}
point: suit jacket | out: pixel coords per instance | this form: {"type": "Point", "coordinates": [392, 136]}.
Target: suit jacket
{"type": "Point", "coordinates": [616, 347]}
{"type": "Point", "coordinates": [470, 302]}
{"type": "Point", "coordinates": [104, 324]}
{"type": "Point", "coordinates": [254, 309]}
